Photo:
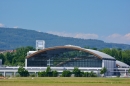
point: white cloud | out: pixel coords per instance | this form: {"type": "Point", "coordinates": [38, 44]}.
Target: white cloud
{"type": "Point", "coordinates": [86, 36]}
{"type": "Point", "coordinates": [118, 38]}
{"type": "Point", "coordinates": [2, 25]}
{"type": "Point", "coordinates": [113, 38]}
{"type": "Point", "coordinates": [127, 36]}
{"type": "Point", "coordinates": [15, 27]}
{"type": "Point", "coordinates": [75, 35]}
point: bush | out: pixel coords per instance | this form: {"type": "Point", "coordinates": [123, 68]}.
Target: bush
{"type": "Point", "coordinates": [91, 74]}
{"type": "Point", "coordinates": [42, 74]}
{"type": "Point", "coordinates": [55, 73]}
{"type": "Point", "coordinates": [32, 75]}
{"type": "Point", "coordinates": [1, 75]}
{"type": "Point", "coordinates": [66, 73]}
{"type": "Point", "coordinates": [17, 75]}
{"type": "Point", "coordinates": [86, 74]}
{"type": "Point", "coordinates": [103, 70]}
{"type": "Point", "coordinates": [48, 73]}
{"type": "Point", "coordinates": [77, 72]}
{"type": "Point", "coordinates": [23, 72]}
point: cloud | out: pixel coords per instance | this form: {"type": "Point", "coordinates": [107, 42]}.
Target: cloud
{"type": "Point", "coordinates": [86, 36]}
{"type": "Point", "coordinates": [75, 35]}
{"type": "Point", "coordinates": [15, 27]}
{"type": "Point", "coordinates": [113, 38]}
{"type": "Point", "coordinates": [127, 36]}
{"type": "Point", "coordinates": [2, 25]}
{"type": "Point", "coordinates": [118, 38]}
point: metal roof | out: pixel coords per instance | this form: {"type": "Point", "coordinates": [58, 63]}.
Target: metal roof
{"type": "Point", "coordinates": [122, 64]}
{"type": "Point", "coordinates": [99, 54]}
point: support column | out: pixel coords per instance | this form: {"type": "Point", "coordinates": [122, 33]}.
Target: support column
{"type": "Point", "coordinates": [98, 72]}
{"type": "Point", "coordinates": [36, 75]}
{"type": "Point", "coordinates": [125, 73]}
{"type": "Point", "coordinates": [14, 74]}
{"type": "Point", "coordinates": [25, 62]}
{"type": "Point", "coordinates": [4, 74]}
{"type": "Point", "coordinates": [103, 63]}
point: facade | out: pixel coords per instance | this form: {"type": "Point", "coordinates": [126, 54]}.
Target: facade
{"type": "Point", "coordinates": [73, 56]}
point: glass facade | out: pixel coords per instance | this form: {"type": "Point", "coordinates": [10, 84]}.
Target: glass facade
{"type": "Point", "coordinates": [64, 58]}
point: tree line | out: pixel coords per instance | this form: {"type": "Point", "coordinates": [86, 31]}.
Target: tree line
{"type": "Point", "coordinates": [118, 54]}
{"type": "Point", "coordinates": [17, 58]}
{"type": "Point", "coordinates": [66, 73]}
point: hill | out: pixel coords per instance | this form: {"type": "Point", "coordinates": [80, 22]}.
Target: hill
{"type": "Point", "coordinates": [11, 38]}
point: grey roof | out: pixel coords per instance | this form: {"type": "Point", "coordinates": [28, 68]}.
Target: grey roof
{"type": "Point", "coordinates": [122, 64]}
{"type": "Point", "coordinates": [101, 54]}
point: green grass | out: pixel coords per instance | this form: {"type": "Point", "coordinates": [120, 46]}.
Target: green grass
{"type": "Point", "coordinates": [61, 81]}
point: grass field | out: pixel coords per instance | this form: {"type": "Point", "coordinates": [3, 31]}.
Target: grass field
{"type": "Point", "coordinates": [61, 81]}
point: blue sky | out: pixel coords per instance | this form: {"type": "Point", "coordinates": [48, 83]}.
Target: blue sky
{"type": "Point", "coordinates": [107, 20]}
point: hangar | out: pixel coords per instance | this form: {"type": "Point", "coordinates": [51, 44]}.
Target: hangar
{"type": "Point", "coordinates": [69, 56]}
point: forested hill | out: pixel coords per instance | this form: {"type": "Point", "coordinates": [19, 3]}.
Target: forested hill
{"type": "Point", "coordinates": [11, 38]}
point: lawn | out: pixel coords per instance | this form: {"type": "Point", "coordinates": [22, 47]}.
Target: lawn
{"type": "Point", "coordinates": [61, 81]}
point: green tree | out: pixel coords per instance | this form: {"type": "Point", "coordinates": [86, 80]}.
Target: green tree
{"type": "Point", "coordinates": [120, 55]}
{"type": "Point", "coordinates": [86, 74]}
{"type": "Point", "coordinates": [1, 75]}
{"type": "Point", "coordinates": [129, 71]}
{"type": "Point", "coordinates": [48, 72]}
{"type": "Point", "coordinates": [55, 73]}
{"type": "Point", "coordinates": [107, 51]}
{"type": "Point", "coordinates": [103, 70]}
{"type": "Point", "coordinates": [77, 72]}
{"type": "Point", "coordinates": [2, 58]}
{"type": "Point", "coordinates": [23, 72]}
{"type": "Point", "coordinates": [66, 73]}
{"type": "Point", "coordinates": [42, 74]}
{"type": "Point", "coordinates": [92, 74]}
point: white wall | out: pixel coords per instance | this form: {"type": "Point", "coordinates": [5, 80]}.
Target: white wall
{"type": "Point", "coordinates": [110, 65]}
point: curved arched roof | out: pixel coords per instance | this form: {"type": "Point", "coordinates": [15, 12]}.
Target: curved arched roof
{"type": "Point", "coordinates": [99, 54]}
{"type": "Point", "coordinates": [122, 64]}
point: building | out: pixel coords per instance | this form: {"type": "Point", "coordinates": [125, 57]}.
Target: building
{"type": "Point", "coordinates": [67, 57]}
{"type": "Point", "coordinates": [70, 56]}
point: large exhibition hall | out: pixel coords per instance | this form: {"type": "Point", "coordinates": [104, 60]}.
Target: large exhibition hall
{"type": "Point", "coordinates": [69, 56]}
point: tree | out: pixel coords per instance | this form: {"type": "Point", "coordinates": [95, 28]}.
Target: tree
{"type": "Point", "coordinates": [129, 71]}
{"type": "Point", "coordinates": [1, 75]}
{"type": "Point", "coordinates": [77, 72]}
{"type": "Point", "coordinates": [42, 74]}
{"type": "Point", "coordinates": [120, 55]}
{"type": "Point", "coordinates": [55, 73]}
{"type": "Point", "coordinates": [48, 72]}
{"type": "Point", "coordinates": [23, 72]}
{"type": "Point", "coordinates": [103, 70]}
{"type": "Point", "coordinates": [92, 74]}
{"type": "Point", "coordinates": [66, 73]}
{"type": "Point", "coordinates": [86, 74]}
{"type": "Point", "coordinates": [3, 58]}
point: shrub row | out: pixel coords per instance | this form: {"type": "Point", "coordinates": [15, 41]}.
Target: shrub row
{"type": "Point", "coordinates": [66, 73]}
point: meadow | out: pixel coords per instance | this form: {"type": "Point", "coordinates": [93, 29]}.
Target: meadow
{"type": "Point", "coordinates": [64, 81]}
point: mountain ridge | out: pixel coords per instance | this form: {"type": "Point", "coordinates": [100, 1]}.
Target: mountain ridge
{"type": "Point", "coordinates": [12, 38]}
